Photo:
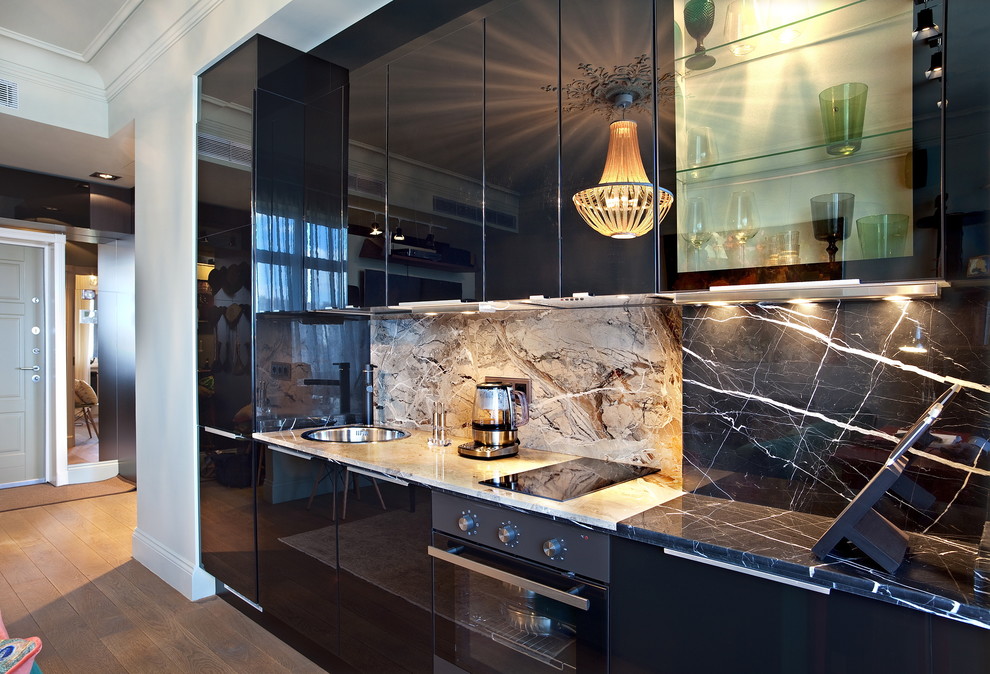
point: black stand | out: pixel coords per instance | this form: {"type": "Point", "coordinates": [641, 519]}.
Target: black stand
{"type": "Point", "coordinates": [859, 523]}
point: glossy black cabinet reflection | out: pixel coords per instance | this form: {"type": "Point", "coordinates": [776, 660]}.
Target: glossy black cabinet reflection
{"type": "Point", "coordinates": [268, 239]}
{"type": "Point", "coordinates": [299, 190]}
{"type": "Point", "coordinates": [228, 469]}
{"type": "Point", "coordinates": [465, 134]}
{"type": "Point", "coordinates": [590, 261]}
{"type": "Point", "coordinates": [349, 575]}
{"type": "Point", "coordinates": [309, 369]}
{"type": "Point", "coordinates": [297, 550]}
{"type": "Point", "coordinates": [385, 576]}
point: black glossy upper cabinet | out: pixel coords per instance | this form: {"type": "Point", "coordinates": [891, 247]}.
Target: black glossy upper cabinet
{"type": "Point", "coordinates": [603, 56]}
{"type": "Point", "coordinates": [521, 148]}
{"type": "Point", "coordinates": [464, 135]}
{"type": "Point", "coordinates": [366, 235]}
{"type": "Point", "coordinates": [300, 158]}
{"type": "Point", "coordinates": [224, 327]}
{"type": "Point", "coordinates": [436, 195]}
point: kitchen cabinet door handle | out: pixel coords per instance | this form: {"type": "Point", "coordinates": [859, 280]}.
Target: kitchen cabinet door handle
{"type": "Point", "coordinates": [378, 476]}
{"type": "Point", "coordinates": [749, 572]}
{"type": "Point", "coordinates": [225, 434]}
{"type": "Point", "coordinates": [497, 574]}
{"type": "Point", "coordinates": [291, 452]}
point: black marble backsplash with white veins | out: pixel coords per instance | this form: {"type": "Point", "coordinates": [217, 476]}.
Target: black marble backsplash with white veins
{"type": "Point", "coordinates": [797, 406]}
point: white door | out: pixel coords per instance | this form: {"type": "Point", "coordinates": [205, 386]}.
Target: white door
{"type": "Point", "coordinates": [22, 357]}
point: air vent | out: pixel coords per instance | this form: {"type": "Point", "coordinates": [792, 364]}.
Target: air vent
{"type": "Point", "coordinates": [8, 94]}
{"type": "Point", "coordinates": [472, 213]}
{"type": "Point", "coordinates": [365, 185]}
{"type": "Point", "coordinates": [223, 149]}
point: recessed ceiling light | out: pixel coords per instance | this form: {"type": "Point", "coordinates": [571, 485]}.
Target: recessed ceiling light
{"type": "Point", "coordinates": [103, 176]}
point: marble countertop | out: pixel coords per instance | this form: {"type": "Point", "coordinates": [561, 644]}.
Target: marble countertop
{"type": "Point", "coordinates": [441, 467]}
{"type": "Point", "coordinates": [938, 575]}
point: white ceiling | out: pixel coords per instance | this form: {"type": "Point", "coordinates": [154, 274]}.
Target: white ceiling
{"type": "Point", "coordinates": [74, 29]}
{"type": "Point", "coordinates": [77, 29]}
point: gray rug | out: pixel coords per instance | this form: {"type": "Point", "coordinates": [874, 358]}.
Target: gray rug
{"type": "Point", "coordinates": [34, 495]}
{"type": "Point", "coordinates": [387, 550]}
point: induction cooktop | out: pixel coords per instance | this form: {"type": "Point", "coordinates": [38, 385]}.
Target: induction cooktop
{"type": "Point", "coordinates": [570, 479]}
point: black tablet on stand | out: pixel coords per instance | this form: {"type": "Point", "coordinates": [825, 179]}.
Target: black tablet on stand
{"type": "Point", "coordinates": [867, 529]}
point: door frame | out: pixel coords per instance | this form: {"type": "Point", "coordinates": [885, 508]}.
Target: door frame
{"type": "Point", "coordinates": [55, 362]}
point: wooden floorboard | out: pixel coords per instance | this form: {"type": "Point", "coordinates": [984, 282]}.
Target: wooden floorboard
{"type": "Point", "coordinates": [66, 576]}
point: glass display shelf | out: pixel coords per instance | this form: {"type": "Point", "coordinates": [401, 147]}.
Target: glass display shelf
{"type": "Point", "coordinates": [784, 161]}
{"type": "Point", "coordinates": [833, 22]}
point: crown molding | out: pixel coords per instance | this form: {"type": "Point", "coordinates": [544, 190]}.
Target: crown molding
{"type": "Point", "coordinates": [189, 20]}
{"type": "Point", "coordinates": [21, 73]}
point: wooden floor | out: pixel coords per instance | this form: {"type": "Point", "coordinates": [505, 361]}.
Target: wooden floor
{"type": "Point", "coordinates": [66, 576]}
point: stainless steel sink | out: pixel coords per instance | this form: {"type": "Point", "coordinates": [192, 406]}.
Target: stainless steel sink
{"type": "Point", "coordinates": [355, 433]}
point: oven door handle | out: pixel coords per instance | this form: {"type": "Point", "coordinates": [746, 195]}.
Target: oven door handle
{"type": "Point", "coordinates": [485, 570]}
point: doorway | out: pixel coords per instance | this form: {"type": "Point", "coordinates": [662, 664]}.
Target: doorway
{"type": "Point", "coordinates": [82, 349]}
{"type": "Point", "coordinates": [32, 394]}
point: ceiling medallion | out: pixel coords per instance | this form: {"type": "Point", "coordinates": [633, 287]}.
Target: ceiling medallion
{"type": "Point", "coordinates": [600, 88]}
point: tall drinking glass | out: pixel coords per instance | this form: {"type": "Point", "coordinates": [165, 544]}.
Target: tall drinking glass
{"type": "Point", "coordinates": [883, 235]}
{"type": "Point", "coordinates": [843, 110]}
{"type": "Point", "coordinates": [831, 219]}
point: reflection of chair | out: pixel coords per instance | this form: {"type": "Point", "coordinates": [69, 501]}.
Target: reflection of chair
{"type": "Point", "coordinates": [349, 473]}
{"type": "Point", "coordinates": [86, 400]}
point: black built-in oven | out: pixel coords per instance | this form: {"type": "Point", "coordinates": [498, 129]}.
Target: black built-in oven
{"type": "Point", "coordinates": [516, 592]}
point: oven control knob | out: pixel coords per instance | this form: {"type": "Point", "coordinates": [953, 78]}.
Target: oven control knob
{"type": "Point", "coordinates": [507, 533]}
{"type": "Point", "coordinates": [554, 548]}
{"type": "Point", "coordinates": [467, 523]}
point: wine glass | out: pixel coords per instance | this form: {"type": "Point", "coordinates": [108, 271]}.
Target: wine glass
{"type": "Point", "coordinates": [701, 152]}
{"type": "Point", "coordinates": [831, 219]}
{"type": "Point", "coordinates": [696, 225]}
{"type": "Point", "coordinates": [742, 219]}
{"type": "Point", "coordinates": [699, 17]}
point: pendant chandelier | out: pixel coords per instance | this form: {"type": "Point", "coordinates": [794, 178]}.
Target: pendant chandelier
{"type": "Point", "coordinates": [621, 205]}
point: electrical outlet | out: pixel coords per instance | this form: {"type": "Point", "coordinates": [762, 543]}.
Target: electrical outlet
{"type": "Point", "coordinates": [281, 370]}
{"type": "Point", "coordinates": [522, 384]}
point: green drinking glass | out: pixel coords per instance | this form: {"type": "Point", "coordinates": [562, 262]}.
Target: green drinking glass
{"type": "Point", "coordinates": [883, 235]}
{"type": "Point", "coordinates": [843, 110]}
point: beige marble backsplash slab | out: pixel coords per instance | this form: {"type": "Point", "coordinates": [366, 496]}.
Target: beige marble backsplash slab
{"type": "Point", "coordinates": [606, 383]}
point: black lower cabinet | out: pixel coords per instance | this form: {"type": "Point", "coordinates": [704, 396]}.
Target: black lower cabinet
{"type": "Point", "coordinates": [349, 585]}
{"type": "Point", "coordinates": [866, 635]}
{"type": "Point", "coordinates": [670, 614]}
{"type": "Point", "coordinates": [674, 615]}
{"type": "Point", "coordinates": [297, 551]}
{"type": "Point", "coordinates": [227, 470]}
{"type": "Point", "coordinates": [385, 576]}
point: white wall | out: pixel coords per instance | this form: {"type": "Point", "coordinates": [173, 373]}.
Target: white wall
{"type": "Point", "coordinates": [162, 102]}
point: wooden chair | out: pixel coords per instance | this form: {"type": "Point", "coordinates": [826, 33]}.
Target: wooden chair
{"type": "Point", "coordinates": [86, 400]}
